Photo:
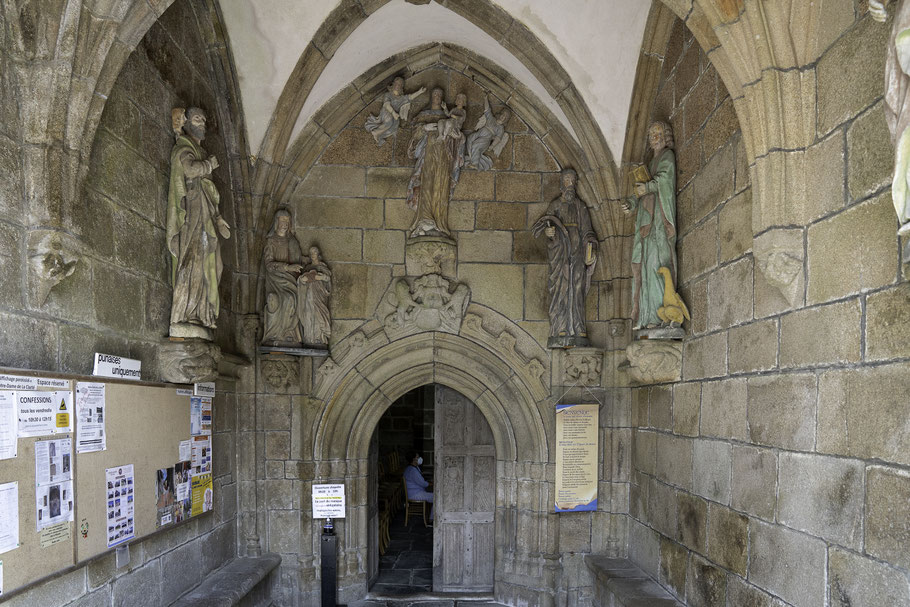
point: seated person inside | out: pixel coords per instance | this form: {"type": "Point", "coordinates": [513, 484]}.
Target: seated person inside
{"type": "Point", "coordinates": [417, 485]}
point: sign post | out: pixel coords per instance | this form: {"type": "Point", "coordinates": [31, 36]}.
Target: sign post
{"type": "Point", "coordinates": [328, 503]}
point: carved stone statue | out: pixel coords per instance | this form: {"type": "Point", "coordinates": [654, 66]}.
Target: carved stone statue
{"type": "Point", "coordinates": [194, 224]}
{"type": "Point", "coordinates": [897, 107]}
{"type": "Point", "coordinates": [395, 106]}
{"type": "Point", "coordinates": [282, 263]}
{"type": "Point", "coordinates": [438, 146]}
{"type": "Point", "coordinates": [314, 289]}
{"type": "Point", "coordinates": [489, 135]}
{"type": "Point", "coordinates": [571, 246]}
{"type": "Point", "coordinates": [654, 243]}
{"type": "Point", "coordinates": [429, 303]}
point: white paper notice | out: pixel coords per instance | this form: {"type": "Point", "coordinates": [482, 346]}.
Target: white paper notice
{"type": "Point", "coordinates": [9, 516]}
{"type": "Point", "coordinates": [18, 382]}
{"type": "Point", "coordinates": [195, 415]}
{"type": "Point", "coordinates": [184, 453]}
{"type": "Point", "coordinates": [53, 461]}
{"type": "Point", "coordinates": [1, 578]}
{"type": "Point", "coordinates": [9, 425]}
{"type": "Point", "coordinates": [54, 504]}
{"type": "Point", "coordinates": [120, 523]}
{"type": "Point", "coordinates": [42, 413]}
{"type": "Point", "coordinates": [90, 415]}
{"type": "Point", "coordinates": [202, 454]}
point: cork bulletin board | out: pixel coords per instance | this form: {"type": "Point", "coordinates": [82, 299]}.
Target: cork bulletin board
{"type": "Point", "coordinates": [145, 423]}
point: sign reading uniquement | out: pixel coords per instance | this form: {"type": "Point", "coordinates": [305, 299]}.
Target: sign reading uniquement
{"type": "Point", "coordinates": [576, 458]}
{"type": "Point", "coordinates": [108, 365]}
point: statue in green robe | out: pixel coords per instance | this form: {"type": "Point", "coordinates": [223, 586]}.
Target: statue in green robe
{"type": "Point", "coordinates": [654, 243]}
{"type": "Point", "coordinates": [194, 224]}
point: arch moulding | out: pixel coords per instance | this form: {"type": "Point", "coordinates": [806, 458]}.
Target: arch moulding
{"type": "Point", "coordinates": [491, 361]}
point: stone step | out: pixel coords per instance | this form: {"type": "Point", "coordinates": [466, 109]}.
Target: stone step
{"type": "Point", "coordinates": [621, 583]}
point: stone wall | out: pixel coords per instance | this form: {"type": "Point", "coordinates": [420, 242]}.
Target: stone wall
{"type": "Point", "coordinates": [775, 471]}
{"type": "Point", "coordinates": [118, 299]}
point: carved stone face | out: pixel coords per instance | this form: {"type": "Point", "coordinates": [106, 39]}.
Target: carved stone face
{"type": "Point", "coordinates": [195, 125]}
{"type": "Point", "coordinates": [314, 254]}
{"type": "Point", "coordinates": [282, 225]}
{"type": "Point", "coordinates": [436, 98]}
{"type": "Point", "coordinates": [503, 116]}
{"type": "Point", "coordinates": [568, 181]}
{"type": "Point", "coordinates": [398, 86]}
{"type": "Point", "coordinates": [461, 100]}
{"type": "Point", "coordinates": [656, 137]}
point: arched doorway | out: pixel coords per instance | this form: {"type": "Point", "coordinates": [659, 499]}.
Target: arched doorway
{"type": "Point", "coordinates": [456, 552]}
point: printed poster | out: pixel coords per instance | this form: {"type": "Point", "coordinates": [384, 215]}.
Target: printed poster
{"type": "Point", "coordinates": [43, 413]}
{"type": "Point", "coordinates": [165, 496]}
{"type": "Point", "coordinates": [201, 457]}
{"type": "Point", "coordinates": [576, 458]}
{"type": "Point", "coordinates": [90, 435]}
{"type": "Point", "coordinates": [9, 516]}
{"type": "Point", "coordinates": [53, 504]}
{"type": "Point", "coordinates": [206, 412]}
{"type": "Point", "coordinates": [182, 491]}
{"type": "Point", "coordinates": [120, 507]}
{"type": "Point", "coordinates": [9, 425]}
{"type": "Point", "coordinates": [202, 493]}
{"type": "Point", "coordinates": [185, 451]}
{"type": "Point", "coordinates": [195, 415]}
{"type": "Point", "coordinates": [53, 461]}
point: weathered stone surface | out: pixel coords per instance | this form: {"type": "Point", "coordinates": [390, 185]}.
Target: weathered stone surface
{"type": "Point", "coordinates": [728, 538]}
{"type": "Point", "coordinates": [536, 304]}
{"type": "Point", "coordinates": [496, 285]}
{"type": "Point", "coordinates": [822, 496]}
{"type": "Point", "coordinates": [181, 569]}
{"type": "Point", "coordinates": [888, 323]}
{"type": "Point", "coordinates": [575, 533]}
{"type": "Point", "coordinates": [502, 216]}
{"type": "Point", "coordinates": [284, 531]}
{"type": "Point", "coordinates": [723, 409]}
{"type": "Point", "coordinates": [531, 154]}
{"type": "Point", "coordinates": [787, 563]}
{"type": "Point", "coordinates": [753, 347]}
{"type": "Point", "coordinates": [782, 410]}
{"type": "Point", "coordinates": [754, 481]}
{"type": "Point", "coordinates": [860, 410]}
{"type": "Point", "coordinates": [354, 145]}
{"type": "Point", "coordinates": [713, 184]}
{"type": "Point", "coordinates": [277, 445]}
{"type": "Point", "coordinates": [706, 585]}
{"type": "Point", "coordinates": [333, 181]}
{"type": "Point", "coordinates": [859, 239]}
{"type": "Point", "coordinates": [824, 185]}
{"type": "Point", "coordinates": [741, 594]}
{"type": "Point", "coordinates": [705, 356]}
{"type": "Point", "coordinates": [730, 295]}
{"type": "Point", "coordinates": [686, 408]}
{"type": "Point", "coordinates": [674, 460]}
{"type": "Point", "coordinates": [848, 73]}
{"type": "Point", "coordinates": [644, 547]}
{"type": "Point", "coordinates": [822, 335]}
{"type": "Point", "coordinates": [644, 451]}
{"type": "Point", "coordinates": [856, 581]}
{"type": "Point", "coordinates": [674, 560]}
{"type": "Point", "coordinates": [383, 246]}
{"type": "Point", "coordinates": [734, 226]}
{"type": "Point", "coordinates": [661, 415]}
{"type": "Point", "coordinates": [695, 294]}
{"type": "Point", "coordinates": [121, 174]}
{"type": "Point", "coordinates": [721, 127]}
{"type": "Point", "coordinates": [887, 521]}
{"type": "Point", "coordinates": [661, 507]}
{"type": "Point", "coordinates": [388, 182]}
{"type": "Point", "coordinates": [59, 591]}
{"type": "Point", "coordinates": [870, 158]}
{"type": "Point", "coordinates": [10, 187]}
{"type": "Point", "coordinates": [475, 185]}
{"type": "Point", "coordinates": [528, 249]}
{"type": "Point", "coordinates": [711, 470]}
{"type": "Point", "coordinates": [698, 251]}
{"type": "Point", "coordinates": [653, 361]}
{"type": "Point", "coordinates": [315, 211]}
{"type": "Point", "coordinates": [486, 245]}
{"type": "Point", "coordinates": [692, 521]}
{"type": "Point", "coordinates": [518, 187]}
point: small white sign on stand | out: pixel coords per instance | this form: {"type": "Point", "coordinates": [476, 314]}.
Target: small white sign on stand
{"type": "Point", "coordinates": [108, 365]}
{"type": "Point", "coordinates": [205, 389]}
{"type": "Point", "coordinates": [328, 501]}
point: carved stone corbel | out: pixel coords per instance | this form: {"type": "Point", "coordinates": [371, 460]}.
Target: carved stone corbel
{"type": "Point", "coordinates": [428, 303]}
{"type": "Point", "coordinates": [52, 257]}
{"type": "Point", "coordinates": [779, 256]}
{"type": "Point", "coordinates": [189, 361]}
{"type": "Point", "coordinates": [653, 361]}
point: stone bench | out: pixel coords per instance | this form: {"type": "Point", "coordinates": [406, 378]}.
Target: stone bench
{"type": "Point", "coordinates": [620, 583]}
{"type": "Point", "coordinates": [243, 581]}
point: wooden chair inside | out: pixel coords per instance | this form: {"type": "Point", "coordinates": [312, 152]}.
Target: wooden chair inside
{"type": "Point", "coordinates": [412, 506]}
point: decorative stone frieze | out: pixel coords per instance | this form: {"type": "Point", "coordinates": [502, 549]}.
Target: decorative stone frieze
{"type": "Point", "coordinates": [280, 371]}
{"type": "Point", "coordinates": [430, 255]}
{"type": "Point", "coordinates": [583, 366]}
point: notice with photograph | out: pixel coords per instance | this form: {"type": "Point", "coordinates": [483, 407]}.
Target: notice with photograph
{"type": "Point", "coordinates": [206, 411]}
{"type": "Point", "coordinates": [203, 494]}
{"type": "Point", "coordinates": [9, 425]}
{"type": "Point", "coordinates": [54, 504]}
{"type": "Point", "coordinates": [53, 461]}
{"type": "Point", "coordinates": [120, 507]}
{"type": "Point", "coordinates": [165, 496]}
{"type": "Point", "coordinates": [9, 516]}
{"type": "Point", "coordinates": [90, 416]}
{"type": "Point", "coordinates": [576, 458]}
{"type": "Point", "coordinates": [42, 413]}
{"type": "Point", "coordinates": [182, 491]}
{"type": "Point", "coordinates": [202, 454]}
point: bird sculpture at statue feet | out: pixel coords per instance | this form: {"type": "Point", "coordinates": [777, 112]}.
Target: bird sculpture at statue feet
{"type": "Point", "coordinates": [674, 309]}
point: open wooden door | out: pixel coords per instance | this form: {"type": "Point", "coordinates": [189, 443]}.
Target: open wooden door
{"type": "Point", "coordinates": [465, 494]}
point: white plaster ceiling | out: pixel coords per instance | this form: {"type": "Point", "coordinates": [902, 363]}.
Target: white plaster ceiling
{"type": "Point", "coordinates": [596, 41]}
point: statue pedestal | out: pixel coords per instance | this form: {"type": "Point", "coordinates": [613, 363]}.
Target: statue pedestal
{"type": "Point", "coordinates": [430, 255]}
{"type": "Point", "coordinates": [294, 350]}
{"type": "Point", "coordinates": [659, 333]}
{"type": "Point", "coordinates": [653, 361]}
{"type": "Point", "coordinates": [188, 361]}
{"type": "Point", "coordinates": [185, 330]}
